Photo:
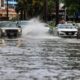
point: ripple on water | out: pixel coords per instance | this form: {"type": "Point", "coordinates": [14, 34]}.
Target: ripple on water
{"type": "Point", "coordinates": [39, 57]}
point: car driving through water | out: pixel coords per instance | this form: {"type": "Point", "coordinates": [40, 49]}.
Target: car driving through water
{"type": "Point", "coordinates": [66, 30]}
{"type": "Point", "coordinates": [10, 29]}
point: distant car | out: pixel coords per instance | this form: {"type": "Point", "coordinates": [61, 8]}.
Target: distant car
{"type": "Point", "coordinates": [10, 29]}
{"type": "Point", "coordinates": [66, 30]}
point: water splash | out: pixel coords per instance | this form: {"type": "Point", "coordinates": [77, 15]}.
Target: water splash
{"type": "Point", "coordinates": [36, 29]}
{"type": "Point", "coordinates": [34, 24]}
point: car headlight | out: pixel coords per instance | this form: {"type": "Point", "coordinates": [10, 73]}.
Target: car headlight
{"type": "Point", "coordinates": [60, 32]}
{"type": "Point", "coordinates": [19, 30]}
{"type": "Point", "coordinates": [3, 30]}
{"type": "Point", "coordinates": [75, 33]}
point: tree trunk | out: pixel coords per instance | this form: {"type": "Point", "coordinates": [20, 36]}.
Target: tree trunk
{"type": "Point", "coordinates": [21, 15]}
{"type": "Point", "coordinates": [45, 11]}
{"type": "Point", "coordinates": [57, 12]}
{"type": "Point", "coordinates": [25, 15]}
{"type": "Point", "coordinates": [7, 15]}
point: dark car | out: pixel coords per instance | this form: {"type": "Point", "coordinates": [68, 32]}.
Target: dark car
{"type": "Point", "coordinates": [10, 29]}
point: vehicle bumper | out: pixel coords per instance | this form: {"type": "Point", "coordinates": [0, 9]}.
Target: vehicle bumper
{"type": "Point", "coordinates": [11, 34]}
{"type": "Point", "coordinates": [63, 34]}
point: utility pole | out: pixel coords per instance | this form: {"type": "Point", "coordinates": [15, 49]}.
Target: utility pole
{"type": "Point", "coordinates": [7, 9]}
{"type": "Point", "coordinates": [57, 12]}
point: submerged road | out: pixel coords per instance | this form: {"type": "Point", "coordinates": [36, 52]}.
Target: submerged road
{"type": "Point", "coordinates": [41, 56]}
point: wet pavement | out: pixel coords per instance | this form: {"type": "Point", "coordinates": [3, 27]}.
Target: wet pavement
{"type": "Point", "coordinates": [41, 57]}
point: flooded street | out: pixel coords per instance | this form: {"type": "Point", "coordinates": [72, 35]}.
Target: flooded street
{"type": "Point", "coordinates": [40, 56]}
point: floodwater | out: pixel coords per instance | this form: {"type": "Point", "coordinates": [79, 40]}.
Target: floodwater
{"type": "Point", "coordinates": [40, 56]}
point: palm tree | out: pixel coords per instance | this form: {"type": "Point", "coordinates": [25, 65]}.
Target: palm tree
{"type": "Point", "coordinates": [22, 8]}
{"type": "Point", "coordinates": [57, 12]}
{"type": "Point", "coordinates": [31, 8]}
{"type": "Point", "coordinates": [45, 15]}
{"type": "Point", "coordinates": [37, 7]}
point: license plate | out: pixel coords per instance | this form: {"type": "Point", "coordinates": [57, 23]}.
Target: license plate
{"type": "Point", "coordinates": [11, 34]}
{"type": "Point", "coordinates": [70, 33]}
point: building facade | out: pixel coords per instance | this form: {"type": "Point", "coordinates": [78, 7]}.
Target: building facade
{"type": "Point", "coordinates": [11, 3]}
{"type": "Point", "coordinates": [11, 9]}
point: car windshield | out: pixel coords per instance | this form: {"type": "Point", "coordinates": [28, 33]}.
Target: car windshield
{"type": "Point", "coordinates": [61, 27]}
{"type": "Point", "coordinates": [70, 27]}
{"type": "Point", "coordinates": [23, 22]}
{"type": "Point", "coordinates": [66, 26]}
{"type": "Point", "coordinates": [8, 24]}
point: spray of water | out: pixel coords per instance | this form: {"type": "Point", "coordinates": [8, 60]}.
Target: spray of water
{"type": "Point", "coordinates": [34, 25]}
{"type": "Point", "coordinates": [36, 29]}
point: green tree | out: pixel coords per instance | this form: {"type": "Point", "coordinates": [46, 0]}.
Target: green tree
{"type": "Point", "coordinates": [72, 6]}
{"type": "Point", "coordinates": [22, 7]}
{"type": "Point", "coordinates": [31, 8]}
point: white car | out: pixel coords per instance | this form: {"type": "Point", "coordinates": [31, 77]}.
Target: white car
{"type": "Point", "coordinates": [10, 29]}
{"type": "Point", "coordinates": [66, 30]}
